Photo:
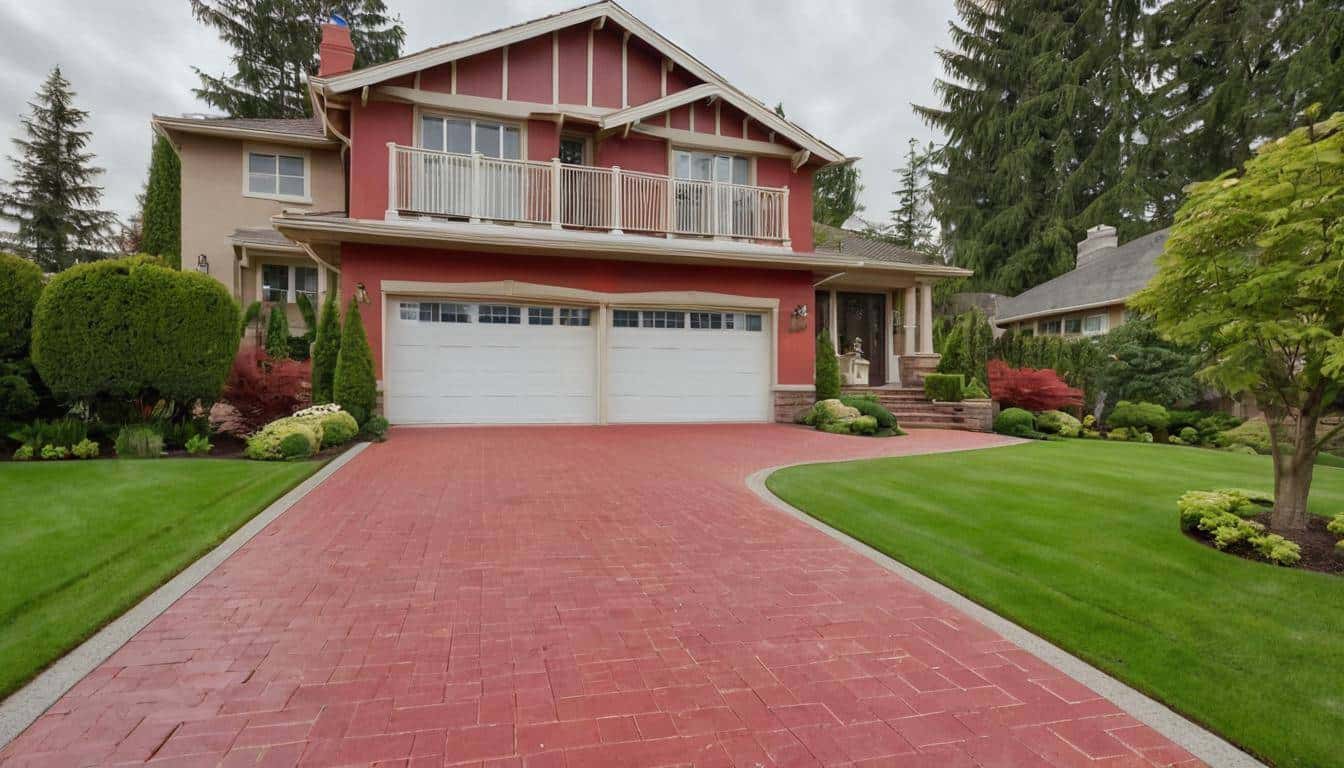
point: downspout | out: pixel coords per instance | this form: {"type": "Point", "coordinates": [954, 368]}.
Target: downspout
{"type": "Point", "coordinates": [320, 107]}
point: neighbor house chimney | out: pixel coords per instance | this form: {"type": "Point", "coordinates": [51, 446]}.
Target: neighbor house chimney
{"type": "Point", "coordinates": [1100, 239]}
{"type": "Point", "coordinates": [336, 54]}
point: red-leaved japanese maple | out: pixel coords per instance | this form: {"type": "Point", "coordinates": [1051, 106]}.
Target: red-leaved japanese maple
{"type": "Point", "coordinates": [1035, 389]}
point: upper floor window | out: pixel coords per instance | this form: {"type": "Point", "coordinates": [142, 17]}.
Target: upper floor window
{"type": "Point", "coordinates": [466, 136]}
{"type": "Point", "coordinates": [277, 175]}
{"type": "Point", "coordinates": [708, 166]}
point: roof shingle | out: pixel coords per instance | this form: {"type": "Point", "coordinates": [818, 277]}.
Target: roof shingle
{"type": "Point", "coordinates": [1113, 276]}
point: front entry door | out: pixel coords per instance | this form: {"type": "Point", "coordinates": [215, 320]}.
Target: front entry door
{"type": "Point", "coordinates": [863, 315]}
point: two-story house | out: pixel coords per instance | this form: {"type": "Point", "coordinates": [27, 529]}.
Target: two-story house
{"type": "Point", "coordinates": [570, 220]}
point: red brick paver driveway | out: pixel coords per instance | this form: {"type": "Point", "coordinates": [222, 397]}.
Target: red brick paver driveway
{"type": "Point", "coordinates": [581, 597]}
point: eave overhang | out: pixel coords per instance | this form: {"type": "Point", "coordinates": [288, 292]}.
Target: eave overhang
{"type": "Point", "coordinates": [163, 124]}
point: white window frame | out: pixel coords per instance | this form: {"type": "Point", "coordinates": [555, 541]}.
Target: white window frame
{"type": "Point", "coordinates": [1041, 327]}
{"type": "Point", "coordinates": [421, 114]}
{"type": "Point", "coordinates": [1104, 324]}
{"type": "Point", "coordinates": [714, 154]}
{"type": "Point", "coordinates": [255, 149]}
{"type": "Point", "coordinates": [291, 292]}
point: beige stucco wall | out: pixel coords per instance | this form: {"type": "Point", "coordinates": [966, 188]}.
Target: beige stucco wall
{"type": "Point", "coordinates": [214, 204]}
{"type": "Point", "coordinates": [1115, 316]}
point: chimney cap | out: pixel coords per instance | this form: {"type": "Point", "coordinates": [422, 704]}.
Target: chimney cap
{"type": "Point", "coordinates": [339, 20]}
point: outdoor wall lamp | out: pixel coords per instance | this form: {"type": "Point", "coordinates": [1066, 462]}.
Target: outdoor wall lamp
{"type": "Point", "coordinates": [202, 264]}
{"type": "Point", "coordinates": [361, 295]}
{"type": "Point", "coordinates": [798, 318]}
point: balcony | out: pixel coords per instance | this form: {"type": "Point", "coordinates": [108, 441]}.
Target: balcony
{"type": "Point", "coordinates": [424, 182]}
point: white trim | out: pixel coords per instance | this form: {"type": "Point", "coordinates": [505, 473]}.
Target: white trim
{"type": "Point", "coordinates": [1105, 324]}
{"type": "Point", "coordinates": [482, 105]}
{"type": "Point", "coordinates": [692, 138]}
{"type": "Point", "coordinates": [1061, 310]}
{"type": "Point", "coordinates": [452, 85]}
{"type": "Point", "coordinates": [504, 86]}
{"type": "Point", "coordinates": [291, 295]}
{"type": "Point", "coordinates": [555, 68]}
{"type": "Point", "coordinates": [381, 72]}
{"type": "Point", "coordinates": [261, 149]}
{"type": "Point", "coordinates": [625, 69]}
{"type": "Point", "coordinates": [206, 128]}
{"type": "Point", "coordinates": [590, 67]}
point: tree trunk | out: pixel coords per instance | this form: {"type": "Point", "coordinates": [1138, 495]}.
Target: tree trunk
{"type": "Point", "coordinates": [1292, 476]}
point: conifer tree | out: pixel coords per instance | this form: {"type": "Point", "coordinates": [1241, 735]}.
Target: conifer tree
{"type": "Point", "coordinates": [912, 224]}
{"type": "Point", "coordinates": [326, 349]}
{"type": "Point", "coordinates": [275, 45]}
{"type": "Point", "coordinates": [52, 199]}
{"type": "Point", "coordinates": [161, 205]}
{"type": "Point", "coordinates": [354, 386]}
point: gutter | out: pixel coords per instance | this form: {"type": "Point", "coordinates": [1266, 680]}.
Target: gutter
{"type": "Point", "coordinates": [1062, 310]}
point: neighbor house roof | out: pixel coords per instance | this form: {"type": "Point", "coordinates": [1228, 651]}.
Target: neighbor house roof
{"type": "Point", "coordinates": [847, 242]}
{"type": "Point", "coordinates": [307, 131]}
{"type": "Point", "coordinates": [442, 54]}
{"type": "Point", "coordinates": [1113, 275]}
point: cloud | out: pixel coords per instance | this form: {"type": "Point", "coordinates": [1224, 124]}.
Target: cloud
{"type": "Point", "coordinates": [847, 70]}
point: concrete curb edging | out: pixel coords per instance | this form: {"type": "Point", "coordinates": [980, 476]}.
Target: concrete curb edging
{"type": "Point", "coordinates": [1203, 744]}
{"type": "Point", "coordinates": [28, 703]}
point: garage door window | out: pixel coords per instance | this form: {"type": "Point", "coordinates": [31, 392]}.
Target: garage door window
{"type": "Point", "coordinates": [661, 319]}
{"type": "Point", "coordinates": [625, 318]}
{"type": "Point", "coordinates": [499, 314]}
{"type": "Point", "coordinates": [576, 316]}
{"type": "Point", "coordinates": [711, 320]}
{"type": "Point", "coordinates": [434, 312]}
{"type": "Point", "coordinates": [540, 316]}
{"type": "Point", "coordinates": [753, 322]}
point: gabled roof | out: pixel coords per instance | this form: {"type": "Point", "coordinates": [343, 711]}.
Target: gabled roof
{"type": "Point", "coordinates": [847, 242]}
{"type": "Point", "coordinates": [1113, 275]}
{"type": "Point", "coordinates": [307, 131]}
{"type": "Point", "coordinates": [442, 54]}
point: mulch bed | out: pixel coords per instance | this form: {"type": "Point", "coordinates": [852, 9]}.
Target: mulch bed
{"type": "Point", "coordinates": [1319, 552]}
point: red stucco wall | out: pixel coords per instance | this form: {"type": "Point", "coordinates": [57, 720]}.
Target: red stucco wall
{"type": "Point", "coordinates": [371, 265]}
{"type": "Point", "coordinates": [372, 127]}
{"type": "Point", "coordinates": [573, 43]}
{"type": "Point", "coordinates": [634, 153]}
{"type": "Point", "coordinates": [482, 75]}
{"type": "Point", "coordinates": [607, 67]}
{"type": "Point", "coordinates": [775, 172]}
{"type": "Point", "coordinates": [530, 70]}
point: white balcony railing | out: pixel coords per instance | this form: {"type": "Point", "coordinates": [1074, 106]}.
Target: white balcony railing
{"type": "Point", "coordinates": [474, 187]}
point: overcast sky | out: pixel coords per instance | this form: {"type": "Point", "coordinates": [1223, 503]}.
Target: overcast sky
{"type": "Point", "coordinates": [847, 70]}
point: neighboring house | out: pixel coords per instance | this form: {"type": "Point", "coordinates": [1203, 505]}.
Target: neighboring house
{"type": "Point", "coordinates": [1090, 300]}
{"type": "Point", "coordinates": [236, 175]}
{"type": "Point", "coordinates": [568, 220]}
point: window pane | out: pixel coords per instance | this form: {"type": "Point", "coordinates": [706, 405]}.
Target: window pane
{"type": "Point", "coordinates": [454, 313]}
{"type": "Point", "coordinates": [487, 139]}
{"type": "Point", "coordinates": [431, 133]}
{"type": "Point", "coordinates": [512, 145]}
{"type": "Point", "coordinates": [723, 168]}
{"type": "Point", "coordinates": [1073, 324]}
{"type": "Point", "coordinates": [702, 167]}
{"type": "Point", "coordinates": [625, 318]}
{"type": "Point", "coordinates": [663, 319]}
{"type": "Point", "coordinates": [753, 322]}
{"type": "Point", "coordinates": [575, 316]}
{"type": "Point", "coordinates": [291, 186]}
{"type": "Point", "coordinates": [274, 282]}
{"type": "Point", "coordinates": [409, 311]}
{"type": "Point", "coordinates": [291, 166]}
{"type": "Point", "coordinates": [741, 170]}
{"type": "Point", "coordinates": [429, 311]}
{"type": "Point", "coordinates": [683, 165]}
{"type": "Point", "coordinates": [540, 316]}
{"type": "Point", "coordinates": [261, 184]}
{"type": "Point", "coordinates": [259, 163]}
{"type": "Point", "coordinates": [459, 136]}
{"type": "Point", "coordinates": [499, 314]}
{"type": "Point", "coordinates": [305, 281]}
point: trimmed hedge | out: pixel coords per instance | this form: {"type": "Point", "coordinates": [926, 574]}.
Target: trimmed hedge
{"type": "Point", "coordinates": [354, 386]}
{"type": "Point", "coordinates": [20, 286]}
{"type": "Point", "coordinates": [1143, 417]}
{"type": "Point", "coordinates": [944, 387]}
{"type": "Point", "coordinates": [1015, 422]}
{"type": "Point", "coordinates": [132, 328]}
{"type": "Point", "coordinates": [869, 406]}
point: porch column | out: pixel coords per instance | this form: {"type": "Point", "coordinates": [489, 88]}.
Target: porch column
{"type": "Point", "coordinates": [833, 322]}
{"type": "Point", "coordinates": [926, 318]}
{"type": "Point", "coordinates": [908, 320]}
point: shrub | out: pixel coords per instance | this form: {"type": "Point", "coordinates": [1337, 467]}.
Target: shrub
{"type": "Point", "coordinates": [944, 387]}
{"type": "Point", "coordinates": [24, 453]}
{"type": "Point", "coordinates": [1015, 422]}
{"type": "Point", "coordinates": [17, 398]}
{"type": "Point", "coordinates": [1189, 436]}
{"type": "Point", "coordinates": [1221, 516]}
{"type": "Point", "coordinates": [375, 429]}
{"type": "Point", "coordinates": [299, 348]}
{"type": "Point", "coordinates": [199, 445]}
{"type": "Point", "coordinates": [869, 406]}
{"type": "Point", "coordinates": [1031, 389]}
{"type": "Point", "coordinates": [1120, 434]}
{"type": "Point", "coordinates": [1058, 423]}
{"type": "Point", "coordinates": [354, 386]}
{"type": "Point", "coordinates": [283, 440]}
{"type": "Point", "coordinates": [85, 449]}
{"type": "Point", "coordinates": [965, 348]}
{"type": "Point", "coordinates": [1253, 434]}
{"type": "Point", "coordinates": [277, 333]}
{"type": "Point", "coordinates": [134, 329]}
{"type": "Point", "coordinates": [20, 286]}
{"type": "Point", "coordinates": [975, 391]}
{"type": "Point", "coordinates": [262, 390]}
{"type": "Point", "coordinates": [54, 452]}
{"type": "Point", "coordinates": [1140, 417]}
{"type": "Point", "coordinates": [139, 441]}
{"type": "Point", "coordinates": [1076, 361]}
{"type": "Point", "coordinates": [334, 428]}
{"type": "Point", "coordinates": [1178, 420]}
{"type": "Point", "coordinates": [309, 316]}
{"type": "Point", "coordinates": [59, 432]}
{"type": "Point", "coordinates": [326, 348]}
{"type": "Point", "coordinates": [828, 369]}
{"type": "Point", "coordinates": [863, 425]}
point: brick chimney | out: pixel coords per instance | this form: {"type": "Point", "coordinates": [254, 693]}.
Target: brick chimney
{"type": "Point", "coordinates": [336, 53]}
{"type": "Point", "coordinates": [1100, 239]}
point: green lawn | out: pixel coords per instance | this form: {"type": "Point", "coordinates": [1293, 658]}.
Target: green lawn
{"type": "Point", "coordinates": [1078, 542]}
{"type": "Point", "coordinates": [85, 541]}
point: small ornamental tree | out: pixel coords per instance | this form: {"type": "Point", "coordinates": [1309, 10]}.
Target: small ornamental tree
{"type": "Point", "coordinates": [134, 329]}
{"type": "Point", "coordinates": [326, 348]}
{"type": "Point", "coordinates": [1031, 389]}
{"type": "Point", "coordinates": [1253, 278]}
{"type": "Point", "coordinates": [277, 333]}
{"type": "Point", "coordinates": [966, 346]}
{"type": "Point", "coordinates": [354, 386]}
{"type": "Point", "coordinates": [828, 369]}
{"type": "Point", "coordinates": [20, 285]}
{"type": "Point", "coordinates": [161, 211]}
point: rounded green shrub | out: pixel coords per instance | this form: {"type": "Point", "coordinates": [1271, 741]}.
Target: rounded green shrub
{"type": "Point", "coordinates": [295, 446]}
{"type": "Point", "coordinates": [287, 438]}
{"type": "Point", "coordinates": [1119, 434]}
{"type": "Point", "coordinates": [133, 328]}
{"type": "Point", "coordinates": [1189, 435]}
{"type": "Point", "coordinates": [354, 386]}
{"type": "Point", "coordinates": [20, 286]}
{"type": "Point", "coordinates": [869, 406]}
{"type": "Point", "coordinates": [1140, 417]}
{"type": "Point", "coordinates": [1058, 423]}
{"type": "Point", "coordinates": [85, 449]}
{"type": "Point", "coordinates": [336, 428]}
{"type": "Point", "coordinates": [375, 429]}
{"type": "Point", "coordinates": [17, 398]}
{"type": "Point", "coordinates": [1015, 422]}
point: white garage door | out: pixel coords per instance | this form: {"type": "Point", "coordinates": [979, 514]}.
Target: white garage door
{"type": "Point", "coordinates": [452, 362]}
{"type": "Point", "coordinates": [688, 365]}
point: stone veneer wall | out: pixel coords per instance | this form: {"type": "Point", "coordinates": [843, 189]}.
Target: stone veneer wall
{"type": "Point", "coordinates": [789, 404]}
{"type": "Point", "coordinates": [913, 368]}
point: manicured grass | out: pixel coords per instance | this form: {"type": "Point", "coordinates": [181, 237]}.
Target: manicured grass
{"type": "Point", "coordinates": [1078, 542]}
{"type": "Point", "coordinates": [85, 541]}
